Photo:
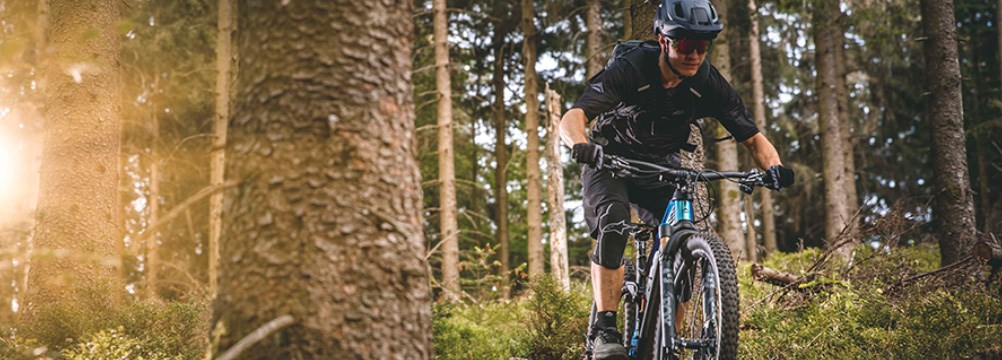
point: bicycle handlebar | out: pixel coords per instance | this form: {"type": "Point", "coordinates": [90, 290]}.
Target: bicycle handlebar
{"type": "Point", "coordinates": [624, 167]}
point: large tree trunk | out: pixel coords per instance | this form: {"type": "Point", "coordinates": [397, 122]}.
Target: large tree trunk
{"type": "Point", "coordinates": [729, 201]}
{"type": "Point", "coordinates": [501, 170]}
{"type": "Point", "coordinates": [836, 206]}
{"type": "Point", "coordinates": [446, 165]}
{"type": "Point", "coordinates": [75, 262]}
{"type": "Point", "coordinates": [953, 207]}
{"type": "Point", "coordinates": [758, 108]}
{"type": "Point", "coordinates": [224, 61]}
{"type": "Point", "coordinates": [593, 21]}
{"type": "Point", "coordinates": [325, 225]}
{"type": "Point", "coordinates": [532, 170]}
{"type": "Point", "coordinates": [555, 193]}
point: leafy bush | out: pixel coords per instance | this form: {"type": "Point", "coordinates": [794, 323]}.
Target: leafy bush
{"type": "Point", "coordinates": [557, 321]}
{"type": "Point", "coordinates": [115, 344]}
{"type": "Point", "coordinates": [489, 330]}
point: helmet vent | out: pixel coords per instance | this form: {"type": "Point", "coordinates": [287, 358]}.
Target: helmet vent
{"type": "Point", "coordinates": [699, 16]}
{"type": "Point", "coordinates": [678, 11]}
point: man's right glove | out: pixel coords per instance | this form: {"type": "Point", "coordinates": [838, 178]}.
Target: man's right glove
{"type": "Point", "coordinates": [588, 154]}
{"type": "Point", "coordinates": [778, 177]}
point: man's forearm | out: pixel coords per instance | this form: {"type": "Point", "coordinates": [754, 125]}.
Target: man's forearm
{"type": "Point", "coordinates": [762, 151]}
{"type": "Point", "coordinates": [572, 127]}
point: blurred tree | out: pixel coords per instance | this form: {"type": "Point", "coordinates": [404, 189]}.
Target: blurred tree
{"type": "Point", "coordinates": [224, 75]}
{"type": "Point", "coordinates": [325, 225]}
{"type": "Point", "coordinates": [75, 263]}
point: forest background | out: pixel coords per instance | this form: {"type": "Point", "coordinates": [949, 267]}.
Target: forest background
{"type": "Point", "coordinates": [896, 157]}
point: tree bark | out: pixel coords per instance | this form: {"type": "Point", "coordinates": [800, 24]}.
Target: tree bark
{"type": "Point", "coordinates": [501, 170]}
{"type": "Point", "coordinates": [627, 19]}
{"type": "Point", "coordinates": [555, 193]}
{"type": "Point", "coordinates": [532, 170]}
{"type": "Point", "coordinates": [152, 263]}
{"type": "Point", "coordinates": [326, 224]}
{"type": "Point", "coordinates": [75, 262]}
{"type": "Point", "coordinates": [217, 165]}
{"type": "Point", "coordinates": [446, 163]}
{"type": "Point", "coordinates": [758, 108]}
{"type": "Point", "coordinates": [953, 207]}
{"type": "Point", "coordinates": [836, 206]}
{"type": "Point", "coordinates": [729, 200]}
{"type": "Point", "coordinates": [848, 142]}
{"type": "Point", "coordinates": [593, 22]}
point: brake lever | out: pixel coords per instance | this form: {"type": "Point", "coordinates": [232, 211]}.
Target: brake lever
{"type": "Point", "coordinates": [746, 188]}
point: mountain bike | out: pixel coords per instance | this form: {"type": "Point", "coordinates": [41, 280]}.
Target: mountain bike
{"type": "Point", "coordinates": [680, 299]}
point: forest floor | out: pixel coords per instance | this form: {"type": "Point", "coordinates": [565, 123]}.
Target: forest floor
{"type": "Point", "coordinates": [886, 303]}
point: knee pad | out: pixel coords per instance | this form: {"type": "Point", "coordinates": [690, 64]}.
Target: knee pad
{"type": "Point", "coordinates": [612, 232]}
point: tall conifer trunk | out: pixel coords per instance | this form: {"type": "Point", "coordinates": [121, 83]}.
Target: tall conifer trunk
{"type": "Point", "coordinates": [446, 165]}
{"type": "Point", "coordinates": [325, 225]}
{"type": "Point", "coordinates": [75, 263]}
{"type": "Point", "coordinates": [758, 108]}
{"type": "Point", "coordinates": [836, 205]}
{"type": "Point", "coordinates": [224, 61]}
{"type": "Point", "coordinates": [532, 169]}
{"type": "Point", "coordinates": [953, 207]}
{"type": "Point", "coordinates": [729, 199]}
{"type": "Point", "coordinates": [846, 128]}
{"type": "Point", "coordinates": [555, 193]}
{"type": "Point", "coordinates": [593, 21]}
{"type": "Point", "coordinates": [501, 170]}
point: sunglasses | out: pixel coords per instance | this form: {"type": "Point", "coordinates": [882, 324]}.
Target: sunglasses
{"type": "Point", "coordinates": [687, 46]}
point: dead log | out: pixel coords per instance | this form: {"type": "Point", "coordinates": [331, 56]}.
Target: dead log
{"type": "Point", "coordinates": [988, 252]}
{"type": "Point", "coordinates": [772, 276]}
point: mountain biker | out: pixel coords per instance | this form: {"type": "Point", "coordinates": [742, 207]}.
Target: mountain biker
{"type": "Point", "coordinates": [644, 102]}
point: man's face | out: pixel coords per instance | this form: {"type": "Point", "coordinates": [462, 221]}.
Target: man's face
{"type": "Point", "coordinates": [688, 63]}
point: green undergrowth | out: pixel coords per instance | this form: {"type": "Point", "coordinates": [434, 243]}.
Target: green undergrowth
{"type": "Point", "coordinates": [549, 324]}
{"type": "Point", "coordinates": [137, 330]}
{"type": "Point", "coordinates": [861, 310]}
{"type": "Point", "coordinates": [847, 311]}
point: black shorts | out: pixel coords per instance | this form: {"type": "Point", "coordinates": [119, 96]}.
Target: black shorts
{"type": "Point", "coordinates": [607, 203]}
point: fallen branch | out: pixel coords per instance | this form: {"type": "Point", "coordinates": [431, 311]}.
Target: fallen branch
{"type": "Point", "coordinates": [258, 335]}
{"type": "Point", "coordinates": [962, 262]}
{"type": "Point", "coordinates": [772, 276]}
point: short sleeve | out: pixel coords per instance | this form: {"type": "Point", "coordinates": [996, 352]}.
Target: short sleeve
{"type": "Point", "coordinates": [607, 89]}
{"type": "Point", "coordinates": [723, 103]}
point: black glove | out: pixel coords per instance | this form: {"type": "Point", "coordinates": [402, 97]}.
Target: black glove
{"type": "Point", "coordinates": [588, 154]}
{"type": "Point", "coordinates": [778, 177]}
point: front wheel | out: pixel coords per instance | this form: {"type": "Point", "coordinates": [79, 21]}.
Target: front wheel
{"type": "Point", "coordinates": [707, 287]}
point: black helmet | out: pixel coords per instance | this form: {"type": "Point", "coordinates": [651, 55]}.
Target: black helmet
{"type": "Point", "coordinates": [687, 19]}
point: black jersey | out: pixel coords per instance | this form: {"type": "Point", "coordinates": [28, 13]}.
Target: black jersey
{"type": "Point", "coordinates": [637, 117]}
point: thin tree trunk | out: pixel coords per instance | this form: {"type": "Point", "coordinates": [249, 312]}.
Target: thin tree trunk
{"type": "Point", "coordinates": [75, 263]}
{"type": "Point", "coordinates": [325, 225]}
{"type": "Point", "coordinates": [751, 239]}
{"type": "Point", "coordinates": [998, 32]}
{"type": "Point", "coordinates": [446, 163]}
{"type": "Point", "coordinates": [501, 170]}
{"type": "Point", "coordinates": [953, 207]}
{"type": "Point", "coordinates": [848, 142]}
{"type": "Point", "coordinates": [217, 165]}
{"type": "Point", "coordinates": [555, 193]}
{"type": "Point", "coordinates": [152, 263]}
{"type": "Point", "coordinates": [758, 107]}
{"type": "Point", "coordinates": [593, 21]}
{"type": "Point", "coordinates": [729, 200]}
{"type": "Point", "coordinates": [836, 206]}
{"type": "Point", "coordinates": [532, 170]}
{"type": "Point", "coordinates": [628, 19]}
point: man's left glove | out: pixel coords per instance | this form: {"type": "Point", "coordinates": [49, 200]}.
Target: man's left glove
{"type": "Point", "coordinates": [588, 153]}
{"type": "Point", "coordinates": [778, 177]}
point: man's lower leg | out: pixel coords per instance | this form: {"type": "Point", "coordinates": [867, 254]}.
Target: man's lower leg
{"type": "Point", "coordinates": [607, 286]}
